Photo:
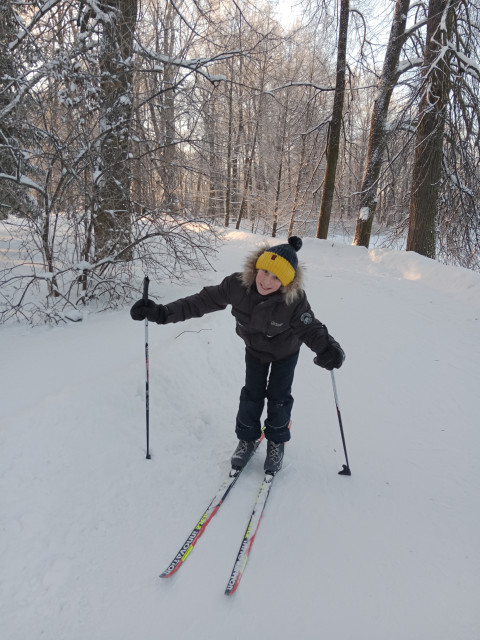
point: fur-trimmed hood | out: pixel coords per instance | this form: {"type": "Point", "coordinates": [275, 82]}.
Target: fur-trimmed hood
{"type": "Point", "coordinates": [291, 292]}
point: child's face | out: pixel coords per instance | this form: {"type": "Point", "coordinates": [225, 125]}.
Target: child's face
{"type": "Point", "coordinates": [267, 282]}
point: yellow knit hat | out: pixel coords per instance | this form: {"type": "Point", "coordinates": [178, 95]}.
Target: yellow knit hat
{"type": "Point", "coordinates": [281, 260]}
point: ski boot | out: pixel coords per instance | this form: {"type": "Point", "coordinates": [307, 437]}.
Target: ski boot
{"type": "Point", "coordinates": [274, 459]}
{"type": "Point", "coordinates": [243, 453]}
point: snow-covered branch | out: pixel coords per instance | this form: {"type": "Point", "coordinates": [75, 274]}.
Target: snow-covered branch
{"type": "Point", "coordinates": [24, 29]}
{"type": "Point", "coordinates": [292, 83]}
{"type": "Point", "coordinates": [408, 64]}
{"type": "Point", "coordinates": [24, 181]}
{"type": "Point", "coordinates": [194, 64]}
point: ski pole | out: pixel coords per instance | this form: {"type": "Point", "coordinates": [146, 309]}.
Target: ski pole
{"type": "Point", "coordinates": [346, 467]}
{"type": "Point", "coordinates": [147, 393]}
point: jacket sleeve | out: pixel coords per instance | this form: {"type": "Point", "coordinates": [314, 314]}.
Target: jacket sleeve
{"type": "Point", "coordinates": [308, 329]}
{"type": "Point", "coordinates": [209, 299]}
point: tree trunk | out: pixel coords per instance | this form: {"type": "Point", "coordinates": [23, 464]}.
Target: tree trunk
{"type": "Point", "coordinates": [236, 152]}
{"type": "Point", "coordinates": [169, 173]}
{"type": "Point", "coordinates": [281, 151]}
{"type": "Point", "coordinates": [246, 179]}
{"type": "Point", "coordinates": [378, 131]}
{"type": "Point", "coordinates": [297, 186]}
{"type": "Point", "coordinates": [112, 214]}
{"type": "Point", "coordinates": [14, 198]}
{"type": "Point", "coordinates": [427, 167]}
{"type": "Point", "coordinates": [228, 187]}
{"type": "Point", "coordinates": [335, 125]}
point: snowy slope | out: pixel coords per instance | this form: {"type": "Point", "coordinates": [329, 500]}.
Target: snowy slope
{"type": "Point", "coordinates": [392, 552]}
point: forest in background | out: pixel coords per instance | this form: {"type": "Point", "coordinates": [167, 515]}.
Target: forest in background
{"type": "Point", "coordinates": [132, 133]}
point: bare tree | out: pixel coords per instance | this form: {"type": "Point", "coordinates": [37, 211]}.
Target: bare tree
{"type": "Point", "coordinates": [427, 167]}
{"type": "Point", "coordinates": [15, 133]}
{"type": "Point", "coordinates": [378, 125]}
{"type": "Point", "coordinates": [112, 204]}
{"type": "Point", "coordinates": [335, 124]}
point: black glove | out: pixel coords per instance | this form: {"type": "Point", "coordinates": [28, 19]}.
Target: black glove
{"type": "Point", "coordinates": [148, 309]}
{"type": "Point", "coordinates": [332, 357]}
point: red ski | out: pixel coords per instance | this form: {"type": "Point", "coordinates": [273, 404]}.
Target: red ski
{"type": "Point", "coordinates": [250, 533]}
{"type": "Point", "coordinates": [202, 524]}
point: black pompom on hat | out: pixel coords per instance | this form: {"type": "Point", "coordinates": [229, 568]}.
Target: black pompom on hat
{"type": "Point", "coordinates": [281, 260]}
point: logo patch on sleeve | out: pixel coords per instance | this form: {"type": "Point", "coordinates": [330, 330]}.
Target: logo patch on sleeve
{"type": "Point", "coordinates": [306, 318]}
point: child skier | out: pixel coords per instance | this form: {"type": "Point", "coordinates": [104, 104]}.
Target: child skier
{"type": "Point", "coordinates": [273, 318]}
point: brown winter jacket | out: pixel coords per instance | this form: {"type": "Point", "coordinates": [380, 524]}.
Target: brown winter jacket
{"type": "Point", "coordinates": [273, 327]}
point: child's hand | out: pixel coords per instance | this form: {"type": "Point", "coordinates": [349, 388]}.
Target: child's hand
{"type": "Point", "coordinates": [148, 309]}
{"type": "Point", "coordinates": [332, 357]}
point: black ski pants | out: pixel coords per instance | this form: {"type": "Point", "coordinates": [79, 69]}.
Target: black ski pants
{"type": "Point", "coordinates": [270, 381]}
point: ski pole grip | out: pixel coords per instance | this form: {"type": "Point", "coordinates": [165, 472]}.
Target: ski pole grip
{"type": "Point", "coordinates": [146, 282]}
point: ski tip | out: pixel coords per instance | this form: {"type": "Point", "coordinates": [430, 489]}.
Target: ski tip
{"type": "Point", "coordinates": [345, 471]}
{"type": "Point", "coordinates": [234, 580]}
{"type": "Point", "coordinates": [171, 569]}
{"type": "Point", "coordinates": [231, 590]}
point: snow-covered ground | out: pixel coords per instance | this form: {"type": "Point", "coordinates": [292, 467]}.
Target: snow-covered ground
{"type": "Point", "coordinates": [390, 553]}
